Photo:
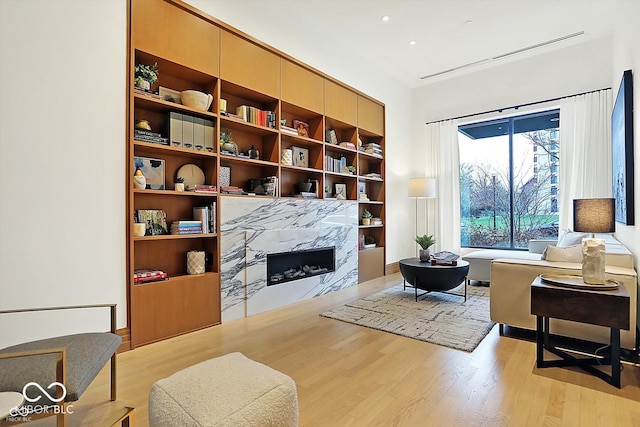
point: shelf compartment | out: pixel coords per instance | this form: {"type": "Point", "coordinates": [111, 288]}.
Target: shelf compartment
{"type": "Point", "coordinates": [177, 236]}
{"type": "Point", "coordinates": [262, 139]}
{"type": "Point", "coordinates": [291, 176]}
{"type": "Point", "coordinates": [159, 105]}
{"type": "Point", "coordinates": [344, 131]}
{"type": "Point", "coordinates": [176, 160]}
{"type": "Point", "coordinates": [174, 252]}
{"type": "Point", "coordinates": [242, 170]}
{"type": "Point", "coordinates": [370, 263]}
{"type": "Point", "coordinates": [290, 112]}
{"type": "Point", "coordinates": [176, 193]}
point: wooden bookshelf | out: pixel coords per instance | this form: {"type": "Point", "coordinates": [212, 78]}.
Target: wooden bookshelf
{"type": "Point", "coordinates": [196, 51]}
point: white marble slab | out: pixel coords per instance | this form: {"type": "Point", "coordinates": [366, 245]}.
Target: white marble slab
{"type": "Point", "coordinates": [251, 228]}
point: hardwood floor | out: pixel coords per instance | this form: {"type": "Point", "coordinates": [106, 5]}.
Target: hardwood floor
{"type": "Point", "coordinates": [349, 375]}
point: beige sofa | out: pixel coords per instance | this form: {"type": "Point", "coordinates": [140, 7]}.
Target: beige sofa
{"type": "Point", "coordinates": [510, 302]}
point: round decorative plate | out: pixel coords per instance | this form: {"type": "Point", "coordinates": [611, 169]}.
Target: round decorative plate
{"type": "Point", "coordinates": [192, 175]}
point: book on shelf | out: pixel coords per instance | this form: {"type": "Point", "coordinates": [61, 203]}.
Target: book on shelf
{"type": "Point", "coordinates": [155, 140]}
{"type": "Point", "coordinates": [147, 133]}
{"type": "Point", "coordinates": [146, 275]}
{"type": "Point", "coordinates": [289, 130]}
{"type": "Point", "coordinates": [306, 195]}
{"type": "Point", "coordinates": [347, 144]}
{"type": "Point", "coordinates": [232, 190]}
{"type": "Point", "coordinates": [444, 256]}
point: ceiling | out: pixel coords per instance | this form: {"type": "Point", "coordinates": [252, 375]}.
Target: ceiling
{"type": "Point", "coordinates": [451, 36]}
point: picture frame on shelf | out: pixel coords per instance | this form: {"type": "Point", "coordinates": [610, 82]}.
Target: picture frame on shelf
{"type": "Point", "coordinates": [340, 190]}
{"type": "Point", "coordinates": [155, 220]}
{"type": "Point", "coordinates": [300, 157]}
{"type": "Point", "coordinates": [302, 128]}
{"type": "Point", "coordinates": [331, 137]}
{"type": "Point", "coordinates": [153, 171]}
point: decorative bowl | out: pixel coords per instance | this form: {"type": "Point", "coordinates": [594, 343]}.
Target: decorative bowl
{"type": "Point", "coordinates": [196, 99]}
{"type": "Point", "coordinates": [304, 187]}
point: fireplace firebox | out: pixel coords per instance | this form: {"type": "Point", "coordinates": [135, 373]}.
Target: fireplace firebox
{"type": "Point", "coordinates": [288, 266]}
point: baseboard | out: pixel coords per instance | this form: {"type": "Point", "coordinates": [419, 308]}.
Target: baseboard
{"type": "Point", "coordinates": [392, 268]}
{"type": "Point", "coordinates": [125, 334]}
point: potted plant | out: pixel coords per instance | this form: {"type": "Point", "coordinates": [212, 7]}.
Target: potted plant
{"type": "Point", "coordinates": [226, 143]}
{"type": "Point", "coordinates": [145, 75]}
{"type": "Point", "coordinates": [425, 243]}
{"type": "Point", "coordinates": [178, 184]}
{"type": "Point", "coordinates": [366, 217]}
{"type": "Point", "coordinates": [327, 191]}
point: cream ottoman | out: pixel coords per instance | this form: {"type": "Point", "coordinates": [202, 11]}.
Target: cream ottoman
{"type": "Point", "coordinates": [231, 390]}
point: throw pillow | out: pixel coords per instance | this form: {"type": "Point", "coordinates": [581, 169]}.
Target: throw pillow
{"type": "Point", "coordinates": [566, 254]}
{"type": "Point", "coordinates": [570, 238]}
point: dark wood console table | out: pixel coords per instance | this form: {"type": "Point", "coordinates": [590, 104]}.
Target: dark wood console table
{"type": "Point", "coordinates": [609, 308]}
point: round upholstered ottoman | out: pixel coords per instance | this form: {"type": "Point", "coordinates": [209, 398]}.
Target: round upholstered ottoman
{"type": "Point", "coordinates": [230, 390]}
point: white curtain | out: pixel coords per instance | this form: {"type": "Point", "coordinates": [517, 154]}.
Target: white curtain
{"type": "Point", "coordinates": [443, 164]}
{"type": "Point", "coordinates": [585, 150]}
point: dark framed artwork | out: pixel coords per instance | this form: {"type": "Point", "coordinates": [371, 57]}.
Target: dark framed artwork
{"type": "Point", "coordinates": [622, 150]}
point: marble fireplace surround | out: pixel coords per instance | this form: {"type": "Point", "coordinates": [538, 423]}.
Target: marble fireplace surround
{"type": "Point", "coordinates": [251, 228]}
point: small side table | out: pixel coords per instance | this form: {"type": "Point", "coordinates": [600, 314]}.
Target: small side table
{"type": "Point", "coordinates": [8, 401]}
{"type": "Point", "coordinates": [609, 308]}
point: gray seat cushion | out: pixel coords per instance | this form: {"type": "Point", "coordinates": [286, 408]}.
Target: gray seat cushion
{"type": "Point", "coordinates": [86, 356]}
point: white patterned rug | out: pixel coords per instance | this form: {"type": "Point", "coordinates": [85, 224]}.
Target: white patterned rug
{"type": "Point", "coordinates": [436, 317]}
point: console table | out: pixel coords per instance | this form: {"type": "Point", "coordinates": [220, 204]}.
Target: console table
{"type": "Point", "coordinates": [609, 308]}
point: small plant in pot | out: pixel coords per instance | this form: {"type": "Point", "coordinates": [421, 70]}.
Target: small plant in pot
{"type": "Point", "coordinates": [425, 243]}
{"type": "Point", "coordinates": [145, 75]}
{"type": "Point", "coordinates": [366, 217]}
{"type": "Point", "coordinates": [226, 143]}
{"type": "Point", "coordinates": [178, 184]}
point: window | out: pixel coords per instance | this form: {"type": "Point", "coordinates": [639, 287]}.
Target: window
{"type": "Point", "coordinates": [507, 167]}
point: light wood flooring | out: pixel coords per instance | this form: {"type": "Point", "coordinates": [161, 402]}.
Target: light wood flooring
{"type": "Point", "coordinates": [348, 375]}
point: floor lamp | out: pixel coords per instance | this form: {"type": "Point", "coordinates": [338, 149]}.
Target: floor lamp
{"type": "Point", "coordinates": [422, 188]}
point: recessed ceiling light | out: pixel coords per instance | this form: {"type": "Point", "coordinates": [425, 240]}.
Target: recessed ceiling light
{"type": "Point", "coordinates": [468, 21]}
{"type": "Point", "coordinates": [412, 43]}
{"type": "Point", "coordinates": [385, 18]}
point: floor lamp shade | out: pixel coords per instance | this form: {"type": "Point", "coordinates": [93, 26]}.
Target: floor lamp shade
{"type": "Point", "coordinates": [422, 188]}
{"type": "Point", "coordinates": [594, 215]}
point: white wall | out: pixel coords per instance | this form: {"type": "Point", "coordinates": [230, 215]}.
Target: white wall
{"type": "Point", "coordinates": [626, 56]}
{"type": "Point", "coordinates": [62, 154]}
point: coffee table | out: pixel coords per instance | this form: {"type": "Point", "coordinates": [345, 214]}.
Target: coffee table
{"type": "Point", "coordinates": [434, 278]}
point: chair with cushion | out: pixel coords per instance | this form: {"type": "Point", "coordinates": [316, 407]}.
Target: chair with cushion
{"type": "Point", "coordinates": [73, 360]}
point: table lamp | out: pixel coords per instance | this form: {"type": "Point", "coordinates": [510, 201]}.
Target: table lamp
{"type": "Point", "coordinates": [594, 216]}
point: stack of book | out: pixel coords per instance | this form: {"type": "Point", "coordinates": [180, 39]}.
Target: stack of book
{"type": "Point", "coordinates": [376, 221]}
{"type": "Point", "coordinates": [186, 227]}
{"type": "Point", "coordinates": [146, 276]}
{"type": "Point", "coordinates": [444, 258]}
{"type": "Point", "coordinates": [373, 175]}
{"type": "Point", "coordinates": [364, 197]}
{"type": "Point", "coordinates": [256, 116]}
{"type": "Point", "coordinates": [202, 188]}
{"type": "Point", "coordinates": [289, 130]}
{"type": "Point", "coordinates": [332, 164]}
{"type": "Point", "coordinates": [373, 148]}
{"type": "Point", "coordinates": [144, 92]}
{"type": "Point", "coordinates": [147, 136]}
{"type": "Point", "coordinates": [231, 190]}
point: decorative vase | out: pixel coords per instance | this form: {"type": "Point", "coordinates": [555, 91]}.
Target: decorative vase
{"type": "Point", "coordinates": [195, 262]}
{"type": "Point", "coordinates": [143, 84]}
{"type": "Point", "coordinates": [424, 255]}
{"type": "Point", "coordinates": [253, 153]}
{"type": "Point", "coordinates": [593, 261]}
{"type": "Point", "coordinates": [139, 181]}
{"type": "Point", "coordinates": [286, 157]}
{"type": "Point", "coordinates": [178, 186]}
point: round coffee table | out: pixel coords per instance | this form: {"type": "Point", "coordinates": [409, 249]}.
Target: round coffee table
{"type": "Point", "coordinates": [434, 278]}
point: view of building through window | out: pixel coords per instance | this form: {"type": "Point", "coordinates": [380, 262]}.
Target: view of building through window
{"type": "Point", "coordinates": [509, 185]}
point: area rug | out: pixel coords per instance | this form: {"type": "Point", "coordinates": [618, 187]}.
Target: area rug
{"type": "Point", "coordinates": [437, 318]}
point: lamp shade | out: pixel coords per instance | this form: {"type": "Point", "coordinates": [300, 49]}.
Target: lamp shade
{"type": "Point", "coordinates": [422, 188]}
{"type": "Point", "coordinates": [594, 215]}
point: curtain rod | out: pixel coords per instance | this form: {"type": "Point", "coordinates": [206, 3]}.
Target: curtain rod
{"type": "Point", "coordinates": [515, 107]}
